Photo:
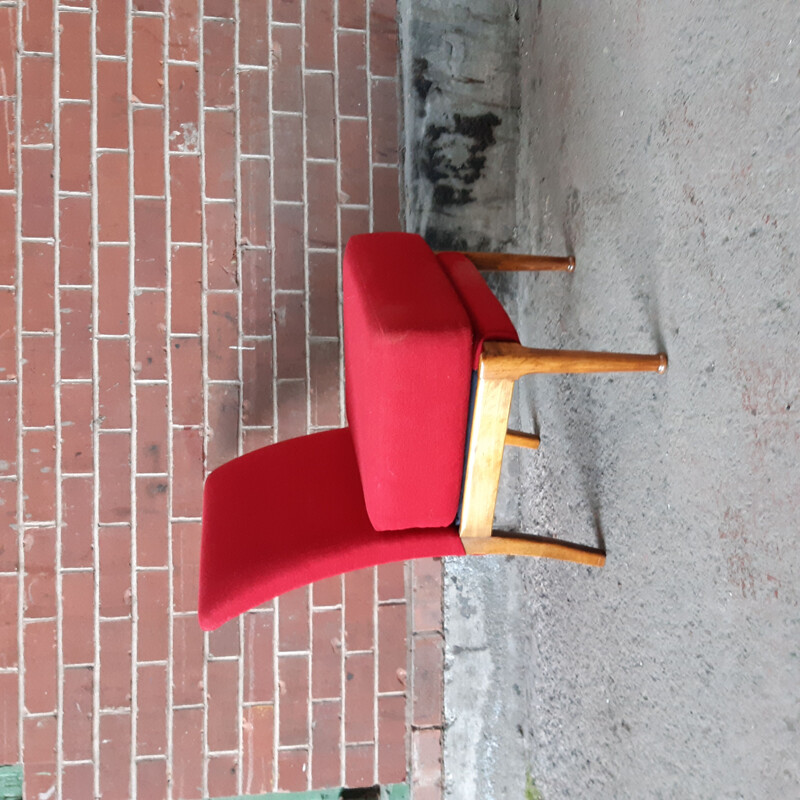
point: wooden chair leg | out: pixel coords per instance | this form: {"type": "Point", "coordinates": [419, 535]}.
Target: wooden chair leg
{"type": "Point", "coordinates": [522, 439]}
{"type": "Point", "coordinates": [519, 545]}
{"type": "Point", "coordinates": [509, 361]}
{"type": "Point", "coordinates": [518, 262]}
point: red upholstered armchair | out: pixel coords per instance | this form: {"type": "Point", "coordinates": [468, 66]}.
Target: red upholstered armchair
{"type": "Point", "coordinates": [431, 359]}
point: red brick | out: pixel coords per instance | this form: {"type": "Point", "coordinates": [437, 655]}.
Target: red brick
{"type": "Point", "coordinates": [78, 629]}
{"type": "Point", "coordinates": [111, 27]}
{"type": "Point", "coordinates": [112, 188]}
{"type": "Point", "coordinates": [392, 758]}
{"type": "Point", "coordinates": [256, 438]}
{"type": "Point", "coordinates": [222, 775]}
{"type": "Point", "coordinates": [187, 661]}
{"type": "Point", "coordinates": [37, 26]}
{"type": "Point", "coordinates": [78, 695]}
{"type": "Point", "coordinates": [38, 263]}
{"type": "Point", "coordinates": [222, 705]}
{"type": "Point", "coordinates": [426, 761]}
{"type": "Point", "coordinates": [186, 559]}
{"type": "Point", "coordinates": [320, 116]}
{"type": "Point", "coordinates": [218, 64]}
{"type": "Point", "coordinates": [319, 29]}
{"type": "Point", "coordinates": [187, 477]}
{"type": "Point", "coordinates": [75, 81]}
{"type": "Point", "coordinates": [326, 744]}
{"type": "Point", "coordinates": [352, 73]}
{"type": "Point", "coordinates": [293, 620]}
{"type": "Point", "coordinates": [328, 592]}
{"type": "Point", "coordinates": [39, 485]}
{"type": "Point", "coordinates": [359, 693]}
{"type": "Point", "coordinates": [37, 195]}
{"type": "Point", "coordinates": [257, 741]}
{"type": "Point", "coordinates": [292, 411]}
{"type": "Point", "coordinates": [359, 600]}
{"type": "Point", "coordinates": [153, 428]}
{"type": "Point", "coordinates": [256, 202]}
{"type": "Point", "coordinates": [221, 245]}
{"type": "Point", "coordinates": [324, 382]}
{"type": "Point", "coordinates": [152, 534]}
{"type": "Point", "coordinates": [77, 781]}
{"type": "Point", "coordinates": [151, 778]}
{"type": "Point", "coordinates": [40, 579]}
{"type": "Point", "coordinates": [38, 405]}
{"type": "Point", "coordinates": [39, 642]}
{"type": "Point", "coordinates": [151, 732]}
{"type": "Point", "coordinates": [354, 221]}
{"type": "Point", "coordinates": [9, 653]}
{"type": "Point", "coordinates": [427, 588]}
{"type": "Point", "coordinates": [392, 648]}
{"type": "Point", "coordinates": [392, 581]}
{"type": "Point", "coordinates": [115, 383]}
{"type": "Point", "coordinates": [322, 202]}
{"type": "Point", "coordinates": [287, 86]}
{"type": "Point", "coordinates": [9, 714]}
{"type": "Point", "coordinates": [289, 247]}
{"type": "Point", "coordinates": [385, 104]}
{"type": "Point", "coordinates": [149, 5]}
{"type": "Point", "coordinates": [75, 243]}
{"type": "Point", "coordinates": [286, 11]}
{"type": "Point", "coordinates": [40, 737]}
{"type": "Point", "coordinates": [112, 104]}
{"type": "Point", "coordinates": [76, 427]}
{"type": "Point", "coordinates": [76, 533]}
{"type": "Point", "coordinates": [383, 38]}
{"type": "Point", "coordinates": [115, 663]}
{"type": "Point", "coordinates": [187, 759]}
{"type": "Point", "coordinates": [290, 335]}
{"type": "Point", "coordinates": [7, 149]}
{"type": "Point", "coordinates": [220, 157]}
{"type": "Point", "coordinates": [151, 242]}
{"type": "Point", "coordinates": [352, 14]}
{"type": "Point", "coordinates": [257, 402]}
{"type": "Point", "coordinates": [224, 641]}
{"type": "Point", "coordinates": [115, 469]}
{"type": "Point", "coordinates": [359, 765]}
{"type": "Point", "coordinates": [37, 100]}
{"type": "Point", "coordinates": [8, 36]}
{"type": "Point", "coordinates": [148, 142]}
{"type": "Point", "coordinates": [115, 758]}
{"type": "Point", "coordinates": [254, 110]}
{"type": "Point", "coordinates": [113, 277]}
{"type": "Point", "coordinates": [115, 570]}
{"type": "Point", "coordinates": [288, 163]}
{"type": "Point", "coordinates": [184, 108]}
{"type": "Point", "coordinates": [8, 433]}
{"type": "Point", "coordinates": [219, 8]}
{"type": "Point", "coordinates": [258, 651]}
{"type": "Point", "coordinates": [293, 680]}
{"type": "Point", "coordinates": [326, 654]}
{"type": "Point", "coordinates": [185, 200]}
{"type": "Point", "coordinates": [386, 198]}
{"type": "Point", "coordinates": [76, 333]}
{"type": "Point", "coordinates": [151, 335]}
{"type": "Point", "coordinates": [223, 424]}
{"type": "Point", "coordinates": [8, 238]}
{"type": "Point", "coordinates": [428, 668]}
{"type": "Point", "coordinates": [9, 555]}
{"type": "Point", "coordinates": [148, 57]}
{"type": "Point", "coordinates": [292, 770]}
{"type": "Point", "coordinates": [355, 161]}
{"type": "Point", "coordinates": [253, 33]}
{"type": "Point", "coordinates": [153, 594]}
{"type": "Point", "coordinates": [256, 293]}
{"type": "Point", "coordinates": [8, 342]}
{"type": "Point", "coordinates": [187, 381]}
{"type": "Point", "coordinates": [223, 361]}
{"type": "Point", "coordinates": [187, 285]}
{"type": "Point", "coordinates": [183, 30]}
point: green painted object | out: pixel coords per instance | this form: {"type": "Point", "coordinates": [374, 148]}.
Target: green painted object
{"type": "Point", "coordinates": [11, 782]}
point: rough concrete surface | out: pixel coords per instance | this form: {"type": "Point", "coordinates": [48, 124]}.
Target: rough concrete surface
{"type": "Point", "coordinates": [659, 142]}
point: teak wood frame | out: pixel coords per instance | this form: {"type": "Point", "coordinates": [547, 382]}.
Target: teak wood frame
{"type": "Point", "coordinates": [501, 365]}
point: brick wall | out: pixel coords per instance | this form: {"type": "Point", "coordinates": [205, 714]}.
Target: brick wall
{"type": "Point", "coordinates": [177, 181]}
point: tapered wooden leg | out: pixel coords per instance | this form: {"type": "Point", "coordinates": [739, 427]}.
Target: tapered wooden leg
{"type": "Point", "coordinates": [521, 439]}
{"type": "Point", "coordinates": [509, 360]}
{"type": "Point", "coordinates": [540, 547]}
{"type": "Point", "coordinates": [518, 262]}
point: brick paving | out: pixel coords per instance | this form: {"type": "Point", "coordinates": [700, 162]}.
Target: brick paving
{"type": "Point", "coordinates": [177, 181]}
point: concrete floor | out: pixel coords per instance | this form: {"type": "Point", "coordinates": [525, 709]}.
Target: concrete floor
{"type": "Point", "coordinates": [660, 144]}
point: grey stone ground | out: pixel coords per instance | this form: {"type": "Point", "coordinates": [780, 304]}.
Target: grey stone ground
{"type": "Point", "coordinates": [659, 142]}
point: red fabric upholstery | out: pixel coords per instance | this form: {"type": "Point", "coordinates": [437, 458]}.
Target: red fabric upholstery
{"type": "Point", "coordinates": [488, 317]}
{"type": "Point", "coordinates": [289, 514]}
{"type": "Point", "coordinates": [408, 352]}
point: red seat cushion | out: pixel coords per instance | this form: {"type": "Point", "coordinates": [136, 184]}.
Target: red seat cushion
{"type": "Point", "coordinates": [289, 514]}
{"type": "Point", "coordinates": [488, 317]}
{"type": "Point", "coordinates": [408, 354]}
